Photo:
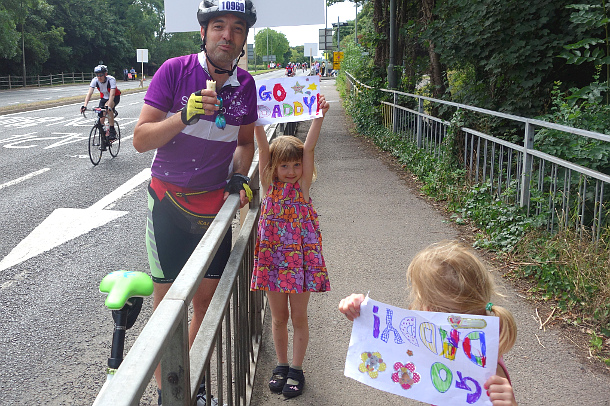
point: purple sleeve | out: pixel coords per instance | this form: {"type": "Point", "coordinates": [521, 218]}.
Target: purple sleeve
{"type": "Point", "coordinates": [160, 93]}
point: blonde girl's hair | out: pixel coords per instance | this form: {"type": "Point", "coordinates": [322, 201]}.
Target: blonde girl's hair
{"type": "Point", "coordinates": [285, 148]}
{"type": "Point", "coordinates": [448, 277]}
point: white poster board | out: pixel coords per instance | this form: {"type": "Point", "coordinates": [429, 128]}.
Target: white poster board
{"type": "Point", "coordinates": [142, 55]}
{"type": "Point", "coordinates": [310, 49]}
{"type": "Point", "coordinates": [181, 15]}
{"type": "Point", "coordinates": [436, 358]}
{"type": "Point", "coordinates": [283, 100]}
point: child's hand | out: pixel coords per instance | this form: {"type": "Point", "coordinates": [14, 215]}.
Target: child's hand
{"type": "Point", "coordinates": [350, 306]}
{"type": "Point", "coordinates": [323, 104]}
{"type": "Point", "coordinates": [500, 391]}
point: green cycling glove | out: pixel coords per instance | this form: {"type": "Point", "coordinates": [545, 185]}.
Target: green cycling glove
{"type": "Point", "coordinates": [193, 108]}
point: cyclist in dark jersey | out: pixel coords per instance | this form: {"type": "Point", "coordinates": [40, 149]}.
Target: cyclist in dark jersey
{"type": "Point", "coordinates": [110, 96]}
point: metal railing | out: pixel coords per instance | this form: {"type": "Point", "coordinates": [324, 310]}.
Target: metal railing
{"type": "Point", "coordinates": [12, 81]}
{"type": "Point", "coordinates": [566, 193]}
{"type": "Point", "coordinates": [226, 348]}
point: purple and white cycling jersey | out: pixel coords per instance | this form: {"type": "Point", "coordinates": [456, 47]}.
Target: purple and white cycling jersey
{"type": "Point", "coordinates": [201, 156]}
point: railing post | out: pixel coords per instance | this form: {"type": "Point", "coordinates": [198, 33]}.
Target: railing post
{"type": "Point", "coordinates": [175, 366]}
{"type": "Point", "coordinates": [528, 143]}
{"type": "Point", "coordinates": [420, 121]}
{"type": "Point", "coordinates": [394, 114]}
{"type": "Point", "coordinates": [9, 82]}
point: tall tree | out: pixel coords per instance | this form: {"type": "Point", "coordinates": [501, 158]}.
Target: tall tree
{"type": "Point", "coordinates": [268, 40]}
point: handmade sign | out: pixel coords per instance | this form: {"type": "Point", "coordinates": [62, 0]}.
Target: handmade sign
{"type": "Point", "coordinates": [283, 100]}
{"type": "Point", "coordinates": [437, 358]}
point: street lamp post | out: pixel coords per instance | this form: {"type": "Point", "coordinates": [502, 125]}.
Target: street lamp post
{"type": "Point", "coordinates": [356, 25]}
{"type": "Point", "coordinates": [23, 41]}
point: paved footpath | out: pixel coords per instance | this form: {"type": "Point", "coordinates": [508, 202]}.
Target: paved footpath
{"type": "Point", "coordinates": [372, 226]}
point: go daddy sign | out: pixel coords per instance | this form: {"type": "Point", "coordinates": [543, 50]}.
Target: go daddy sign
{"type": "Point", "coordinates": [437, 358]}
{"type": "Point", "coordinates": [285, 100]}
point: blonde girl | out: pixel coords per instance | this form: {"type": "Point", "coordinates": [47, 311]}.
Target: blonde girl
{"type": "Point", "coordinates": [447, 277]}
{"type": "Point", "coordinates": [288, 261]}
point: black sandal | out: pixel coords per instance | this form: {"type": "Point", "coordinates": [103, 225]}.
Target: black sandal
{"type": "Point", "coordinates": [291, 391]}
{"type": "Point", "coordinates": [278, 379]}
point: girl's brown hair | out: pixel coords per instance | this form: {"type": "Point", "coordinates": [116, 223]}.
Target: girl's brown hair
{"type": "Point", "coordinates": [447, 277]}
{"type": "Point", "coordinates": [285, 148]}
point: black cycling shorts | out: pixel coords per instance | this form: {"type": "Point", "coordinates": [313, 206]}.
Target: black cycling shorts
{"type": "Point", "coordinates": [103, 102]}
{"type": "Point", "coordinates": [169, 244]}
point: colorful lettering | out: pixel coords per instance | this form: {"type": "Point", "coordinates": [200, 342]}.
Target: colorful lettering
{"type": "Point", "coordinates": [450, 343]}
{"type": "Point", "coordinates": [376, 322]}
{"type": "Point", "coordinates": [276, 111]}
{"type": "Point", "coordinates": [427, 335]}
{"type": "Point", "coordinates": [263, 94]}
{"type": "Point", "coordinates": [298, 109]}
{"type": "Point", "coordinates": [309, 101]}
{"type": "Point", "coordinates": [441, 383]}
{"type": "Point", "coordinates": [461, 384]}
{"type": "Point", "coordinates": [408, 328]}
{"type": "Point", "coordinates": [389, 328]}
{"type": "Point", "coordinates": [263, 111]}
{"type": "Point", "coordinates": [472, 338]}
{"type": "Point", "coordinates": [279, 93]}
{"type": "Point", "coordinates": [288, 110]}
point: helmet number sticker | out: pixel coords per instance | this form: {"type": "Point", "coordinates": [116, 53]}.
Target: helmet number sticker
{"type": "Point", "coordinates": [233, 5]}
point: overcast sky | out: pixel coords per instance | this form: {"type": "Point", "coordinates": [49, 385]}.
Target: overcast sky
{"type": "Point", "coordinates": [299, 35]}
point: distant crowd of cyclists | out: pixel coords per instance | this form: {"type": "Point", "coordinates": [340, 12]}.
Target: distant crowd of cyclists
{"type": "Point", "coordinates": [292, 68]}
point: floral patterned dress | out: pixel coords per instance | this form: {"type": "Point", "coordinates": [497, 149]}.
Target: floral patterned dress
{"type": "Point", "coordinates": [288, 256]}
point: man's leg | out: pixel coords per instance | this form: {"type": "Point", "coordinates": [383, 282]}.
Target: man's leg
{"type": "Point", "coordinates": [160, 289]}
{"type": "Point", "coordinates": [201, 302]}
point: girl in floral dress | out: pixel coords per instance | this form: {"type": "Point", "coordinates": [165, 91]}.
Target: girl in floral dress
{"type": "Point", "coordinates": [288, 261]}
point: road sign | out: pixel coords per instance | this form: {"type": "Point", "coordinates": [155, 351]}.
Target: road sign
{"type": "Point", "coordinates": [142, 55]}
{"type": "Point", "coordinates": [310, 49]}
{"type": "Point", "coordinates": [337, 58]}
{"type": "Point", "coordinates": [250, 51]}
{"type": "Point", "coordinates": [326, 39]}
{"type": "Point", "coordinates": [268, 58]}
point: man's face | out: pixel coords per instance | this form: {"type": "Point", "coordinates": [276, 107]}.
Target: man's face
{"type": "Point", "coordinates": [101, 77]}
{"type": "Point", "coordinates": [225, 39]}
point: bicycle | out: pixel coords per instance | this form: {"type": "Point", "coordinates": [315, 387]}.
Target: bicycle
{"type": "Point", "coordinates": [98, 137]}
{"type": "Point", "coordinates": [126, 291]}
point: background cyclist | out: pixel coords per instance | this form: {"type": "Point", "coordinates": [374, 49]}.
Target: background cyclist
{"type": "Point", "coordinates": [110, 95]}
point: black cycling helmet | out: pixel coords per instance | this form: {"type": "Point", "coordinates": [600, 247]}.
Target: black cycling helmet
{"type": "Point", "coordinates": [241, 8]}
{"type": "Point", "coordinates": [100, 69]}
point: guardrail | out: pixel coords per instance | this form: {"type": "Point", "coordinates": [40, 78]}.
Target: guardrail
{"type": "Point", "coordinates": [568, 194]}
{"type": "Point", "coordinates": [230, 333]}
{"type": "Point", "coordinates": [10, 82]}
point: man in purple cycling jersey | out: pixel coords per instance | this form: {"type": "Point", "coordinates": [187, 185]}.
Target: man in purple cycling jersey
{"type": "Point", "coordinates": [204, 141]}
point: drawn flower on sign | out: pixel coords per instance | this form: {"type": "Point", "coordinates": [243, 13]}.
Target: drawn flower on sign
{"type": "Point", "coordinates": [405, 375]}
{"type": "Point", "coordinates": [372, 363]}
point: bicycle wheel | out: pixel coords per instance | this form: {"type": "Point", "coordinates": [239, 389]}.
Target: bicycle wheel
{"type": "Point", "coordinates": [95, 143]}
{"type": "Point", "coordinates": [115, 145]}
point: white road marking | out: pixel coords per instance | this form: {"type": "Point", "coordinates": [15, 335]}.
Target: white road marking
{"type": "Point", "coordinates": [65, 224]}
{"type": "Point", "coordinates": [21, 179]}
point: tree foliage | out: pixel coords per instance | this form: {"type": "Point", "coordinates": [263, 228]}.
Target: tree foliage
{"type": "Point", "coordinates": [501, 55]}
{"type": "Point", "coordinates": [271, 42]}
{"type": "Point", "coordinates": [71, 35]}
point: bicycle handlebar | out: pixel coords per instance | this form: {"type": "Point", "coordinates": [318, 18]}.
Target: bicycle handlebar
{"type": "Point", "coordinates": [96, 109]}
